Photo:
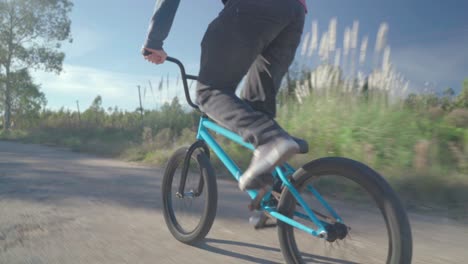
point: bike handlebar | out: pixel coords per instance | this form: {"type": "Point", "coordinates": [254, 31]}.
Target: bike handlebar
{"type": "Point", "coordinates": [185, 77]}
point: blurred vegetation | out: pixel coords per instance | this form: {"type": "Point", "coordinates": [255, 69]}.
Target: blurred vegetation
{"type": "Point", "coordinates": [420, 143]}
{"type": "Point", "coordinates": [110, 132]}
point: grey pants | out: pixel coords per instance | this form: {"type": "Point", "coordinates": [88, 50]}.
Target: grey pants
{"type": "Point", "coordinates": [254, 37]}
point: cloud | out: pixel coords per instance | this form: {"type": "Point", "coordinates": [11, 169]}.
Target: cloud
{"type": "Point", "coordinates": [85, 41]}
{"type": "Point", "coordinates": [117, 89]}
{"type": "Point", "coordinates": [442, 62]}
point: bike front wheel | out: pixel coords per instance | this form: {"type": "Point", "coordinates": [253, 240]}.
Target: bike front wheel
{"type": "Point", "coordinates": [189, 216]}
{"type": "Point", "coordinates": [368, 225]}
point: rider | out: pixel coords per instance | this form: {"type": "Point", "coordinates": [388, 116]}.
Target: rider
{"type": "Point", "coordinates": [253, 37]}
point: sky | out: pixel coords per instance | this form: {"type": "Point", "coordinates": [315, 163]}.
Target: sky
{"type": "Point", "coordinates": [428, 39]}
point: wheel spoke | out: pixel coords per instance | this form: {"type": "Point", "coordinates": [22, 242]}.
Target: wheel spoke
{"type": "Point", "coordinates": [350, 191]}
{"type": "Point", "coordinates": [189, 216]}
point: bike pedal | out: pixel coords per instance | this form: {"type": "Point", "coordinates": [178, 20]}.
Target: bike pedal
{"type": "Point", "coordinates": [255, 203]}
{"type": "Point", "coordinates": [265, 225]}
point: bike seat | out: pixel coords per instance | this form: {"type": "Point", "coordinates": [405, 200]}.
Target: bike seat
{"type": "Point", "coordinates": [303, 145]}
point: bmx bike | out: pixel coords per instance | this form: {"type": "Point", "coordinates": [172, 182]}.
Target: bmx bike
{"type": "Point", "coordinates": [308, 202]}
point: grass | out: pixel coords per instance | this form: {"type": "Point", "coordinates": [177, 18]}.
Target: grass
{"type": "Point", "coordinates": [387, 139]}
{"type": "Point", "coordinates": [104, 144]}
{"type": "Point", "coordinates": [422, 156]}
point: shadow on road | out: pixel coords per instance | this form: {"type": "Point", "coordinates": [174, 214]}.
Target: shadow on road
{"type": "Point", "coordinates": [209, 244]}
{"type": "Point", "coordinates": [49, 176]}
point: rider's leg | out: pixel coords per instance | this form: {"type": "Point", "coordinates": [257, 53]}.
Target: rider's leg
{"type": "Point", "coordinates": [230, 46]}
{"type": "Point", "coordinates": [266, 73]}
{"type": "Point", "coordinates": [264, 79]}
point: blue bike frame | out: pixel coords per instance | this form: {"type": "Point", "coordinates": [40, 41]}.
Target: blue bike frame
{"type": "Point", "coordinates": [203, 134]}
{"type": "Point", "coordinates": [320, 231]}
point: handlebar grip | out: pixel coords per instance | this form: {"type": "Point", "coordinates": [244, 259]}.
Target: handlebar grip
{"type": "Point", "coordinates": [145, 52]}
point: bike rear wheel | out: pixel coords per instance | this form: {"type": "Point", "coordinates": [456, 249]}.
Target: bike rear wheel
{"type": "Point", "coordinates": [374, 229]}
{"type": "Point", "coordinates": [189, 217]}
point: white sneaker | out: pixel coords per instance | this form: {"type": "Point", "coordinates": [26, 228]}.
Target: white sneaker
{"type": "Point", "coordinates": [266, 157]}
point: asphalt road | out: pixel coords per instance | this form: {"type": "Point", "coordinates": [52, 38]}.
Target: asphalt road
{"type": "Point", "coordinates": [62, 207]}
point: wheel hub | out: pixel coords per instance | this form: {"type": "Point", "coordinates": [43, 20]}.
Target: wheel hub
{"type": "Point", "coordinates": [336, 231]}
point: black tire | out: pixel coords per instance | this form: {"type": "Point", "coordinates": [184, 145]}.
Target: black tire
{"type": "Point", "coordinates": [394, 215]}
{"type": "Point", "coordinates": [209, 190]}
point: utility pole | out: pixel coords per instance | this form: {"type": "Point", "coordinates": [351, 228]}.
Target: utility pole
{"type": "Point", "coordinates": [141, 106]}
{"type": "Point", "coordinates": [79, 115]}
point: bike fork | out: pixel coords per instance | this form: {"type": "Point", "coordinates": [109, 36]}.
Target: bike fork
{"type": "Point", "coordinates": [181, 191]}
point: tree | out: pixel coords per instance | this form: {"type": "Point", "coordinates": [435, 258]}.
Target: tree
{"type": "Point", "coordinates": [26, 98]}
{"type": "Point", "coordinates": [447, 98]}
{"type": "Point", "coordinates": [31, 33]}
{"type": "Point", "coordinates": [462, 98]}
{"type": "Point", "coordinates": [95, 111]}
{"type": "Point", "coordinates": [448, 92]}
{"type": "Point", "coordinates": [96, 105]}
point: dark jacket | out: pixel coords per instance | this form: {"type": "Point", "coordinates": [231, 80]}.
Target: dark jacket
{"type": "Point", "coordinates": [161, 23]}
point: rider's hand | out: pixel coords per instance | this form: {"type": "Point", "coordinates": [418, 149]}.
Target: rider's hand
{"type": "Point", "coordinates": [156, 56]}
